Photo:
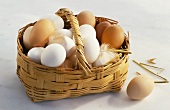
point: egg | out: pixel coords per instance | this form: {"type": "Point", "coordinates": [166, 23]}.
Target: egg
{"type": "Point", "coordinates": [100, 28]}
{"type": "Point", "coordinates": [56, 19]}
{"type": "Point", "coordinates": [91, 54]}
{"type": "Point", "coordinates": [53, 55]}
{"type": "Point", "coordinates": [87, 30]}
{"type": "Point", "coordinates": [73, 59]}
{"type": "Point", "coordinates": [86, 17]}
{"type": "Point", "coordinates": [140, 87]}
{"type": "Point", "coordinates": [66, 64]}
{"type": "Point", "coordinates": [66, 42]}
{"type": "Point", "coordinates": [91, 49]}
{"type": "Point", "coordinates": [40, 33]}
{"type": "Point", "coordinates": [114, 36]}
{"type": "Point", "coordinates": [35, 54]}
{"type": "Point", "coordinates": [26, 37]}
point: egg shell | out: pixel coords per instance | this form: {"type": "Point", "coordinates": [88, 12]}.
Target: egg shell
{"type": "Point", "coordinates": [114, 36]}
{"type": "Point", "coordinates": [87, 30]}
{"type": "Point", "coordinates": [66, 64]}
{"type": "Point", "coordinates": [35, 54]}
{"type": "Point", "coordinates": [91, 49]}
{"type": "Point", "coordinates": [53, 55]}
{"type": "Point", "coordinates": [73, 59]}
{"type": "Point", "coordinates": [86, 17]}
{"type": "Point", "coordinates": [56, 19]}
{"type": "Point", "coordinates": [26, 37]}
{"type": "Point", "coordinates": [140, 87]}
{"type": "Point", "coordinates": [40, 33]}
{"type": "Point", "coordinates": [66, 42]}
{"type": "Point", "coordinates": [100, 28]}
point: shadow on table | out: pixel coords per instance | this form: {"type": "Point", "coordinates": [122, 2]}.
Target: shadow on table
{"type": "Point", "coordinates": [72, 103]}
{"type": "Point", "coordinates": [115, 100]}
{"type": "Point", "coordinates": [121, 100]}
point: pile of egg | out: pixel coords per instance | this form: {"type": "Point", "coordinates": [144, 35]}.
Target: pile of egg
{"type": "Point", "coordinates": [49, 44]}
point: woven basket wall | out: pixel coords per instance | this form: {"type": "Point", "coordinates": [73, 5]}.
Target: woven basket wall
{"type": "Point", "coordinates": [45, 83]}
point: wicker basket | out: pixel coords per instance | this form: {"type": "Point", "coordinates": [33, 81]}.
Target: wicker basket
{"type": "Point", "coordinates": [46, 83]}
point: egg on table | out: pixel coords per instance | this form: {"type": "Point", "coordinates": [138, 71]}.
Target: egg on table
{"type": "Point", "coordinates": [53, 55]}
{"type": "Point", "coordinates": [140, 87]}
{"type": "Point", "coordinates": [114, 36]}
{"type": "Point", "coordinates": [86, 17]}
{"type": "Point", "coordinates": [40, 33]}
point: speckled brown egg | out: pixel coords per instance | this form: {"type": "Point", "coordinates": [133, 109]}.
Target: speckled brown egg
{"type": "Point", "coordinates": [140, 87]}
{"type": "Point", "coordinates": [100, 28]}
{"type": "Point", "coordinates": [86, 17]}
{"type": "Point", "coordinates": [40, 33]}
{"type": "Point", "coordinates": [114, 36]}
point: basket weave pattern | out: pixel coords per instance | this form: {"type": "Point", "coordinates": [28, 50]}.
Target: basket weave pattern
{"type": "Point", "coordinates": [46, 83]}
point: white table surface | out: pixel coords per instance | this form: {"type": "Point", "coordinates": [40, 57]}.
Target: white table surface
{"type": "Point", "coordinates": [149, 25]}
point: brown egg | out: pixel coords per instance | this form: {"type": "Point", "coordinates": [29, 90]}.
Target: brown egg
{"type": "Point", "coordinates": [66, 64]}
{"type": "Point", "coordinates": [26, 38]}
{"type": "Point", "coordinates": [73, 59]}
{"type": "Point", "coordinates": [140, 87]}
{"type": "Point", "coordinates": [114, 36]}
{"type": "Point", "coordinates": [41, 32]}
{"type": "Point", "coordinates": [100, 28]}
{"type": "Point", "coordinates": [86, 17]}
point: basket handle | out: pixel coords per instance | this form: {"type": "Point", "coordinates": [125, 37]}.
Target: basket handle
{"type": "Point", "coordinates": [68, 15]}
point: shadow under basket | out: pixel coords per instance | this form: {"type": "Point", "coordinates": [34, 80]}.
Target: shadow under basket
{"type": "Point", "coordinates": [46, 83]}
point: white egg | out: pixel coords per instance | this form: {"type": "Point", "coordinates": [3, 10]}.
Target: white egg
{"type": "Point", "coordinates": [35, 54]}
{"type": "Point", "coordinates": [57, 20]}
{"type": "Point", "coordinates": [53, 55]}
{"type": "Point", "coordinates": [87, 30]}
{"type": "Point", "coordinates": [91, 49]}
{"type": "Point", "coordinates": [26, 37]}
{"type": "Point", "coordinates": [66, 42]}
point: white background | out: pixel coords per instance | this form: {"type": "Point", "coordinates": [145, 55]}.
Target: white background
{"type": "Point", "coordinates": [148, 22]}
